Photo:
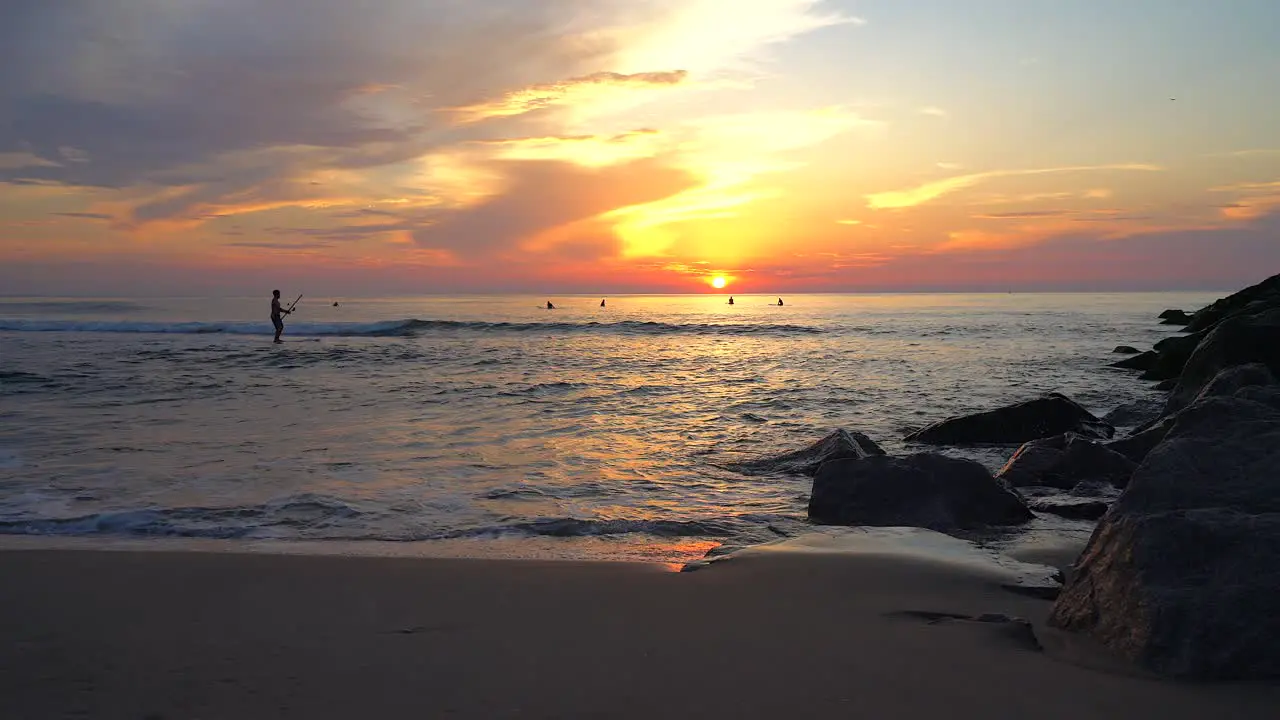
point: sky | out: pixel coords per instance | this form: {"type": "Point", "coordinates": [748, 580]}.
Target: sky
{"type": "Point", "coordinates": [219, 147]}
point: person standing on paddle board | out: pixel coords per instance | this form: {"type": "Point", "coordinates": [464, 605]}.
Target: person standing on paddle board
{"type": "Point", "coordinates": [276, 313]}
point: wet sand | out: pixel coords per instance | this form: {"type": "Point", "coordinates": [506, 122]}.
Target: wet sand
{"type": "Point", "coordinates": [158, 634]}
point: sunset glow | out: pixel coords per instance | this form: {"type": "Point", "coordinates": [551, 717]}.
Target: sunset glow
{"type": "Point", "coordinates": [569, 146]}
{"type": "Point", "coordinates": [718, 282]}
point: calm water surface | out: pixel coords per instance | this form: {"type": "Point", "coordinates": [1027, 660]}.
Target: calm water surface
{"type": "Point", "coordinates": [494, 423]}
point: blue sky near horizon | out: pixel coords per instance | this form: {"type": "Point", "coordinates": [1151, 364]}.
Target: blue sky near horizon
{"type": "Point", "coordinates": [638, 145]}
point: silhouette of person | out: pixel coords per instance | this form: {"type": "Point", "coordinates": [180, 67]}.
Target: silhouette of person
{"type": "Point", "coordinates": [602, 303]}
{"type": "Point", "coordinates": [730, 299]}
{"type": "Point", "coordinates": [779, 302]}
{"type": "Point", "coordinates": [550, 306]}
{"type": "Point", "coordinates": [335, 303]}
{"type": "Point", "coordinates": [276, 313]}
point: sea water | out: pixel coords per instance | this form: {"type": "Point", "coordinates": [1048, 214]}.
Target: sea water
{"type": "Point", "coordinates": [494, 425]}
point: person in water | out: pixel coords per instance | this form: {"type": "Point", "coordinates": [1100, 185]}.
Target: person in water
{"type": "Point", "coordinates": [550, 306]}
{"type": "Point", "coordinates": [276, 313]}
{"type": "Point", "coordinates": [730, 299]}
{"type": "Point", "coordinates": [602, 303]}
{"type": "Point", "coordinates": [779, 302]}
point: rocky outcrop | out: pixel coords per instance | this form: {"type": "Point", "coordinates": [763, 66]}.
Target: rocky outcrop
{"type": "Point", "coordinates": [1172, 354]}
{"type": "Point", "coordinates": [1142, 440]}
{"type": "Point", "coordinates": [927, 490]}
{"type": "Point", "coordinates": [1134, 413]}
{"type": "Point", "coordinates": [1142, 361]}
{"type": "Point", "coordinates": [838, 445]}
{"type": "Point", "coordinates": [1181, 575]}
{"type": "Point", "coordinates": [1253, 299]}
{"type": "Point", "coordinates": [1064, 462]}
{"type": "Point", "coordinates": [1242, 340]}
{"type": "Point", "coordinates": [1044, 417]}
{"type": "Point", "coordinates": [1126, 350]}
{"type": "Point", "coordinates": [1072, 508]}
{"type": "Point", "coordinates": [1174, 317]}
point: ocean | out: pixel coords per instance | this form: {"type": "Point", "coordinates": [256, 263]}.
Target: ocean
{"type": "Point", "coordinates": [493, 427]}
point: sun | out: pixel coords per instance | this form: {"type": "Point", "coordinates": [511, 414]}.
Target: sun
{"type": "Point", "coordinates": [718, 282]}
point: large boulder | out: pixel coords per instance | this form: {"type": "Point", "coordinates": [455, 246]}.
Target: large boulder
{"type": "Point", "coordinates": [1142, 361]}
{"type": "Point", "coordinates": [1065, 462]}
{"type": "Point", "coordinates": [1182, 574]}
{"type": "Point", "coordinates": [1143, 440]}
{"type": "Point", "coordinates": [1172, 354]}
{"type": "Point", "coordinates": [1126, 350]}
{"type": "Point", "coordinates": [838, 445]}
{"type": "Point", "coordinates": [1174, 317]}
{"type": "Point", "coordinates": [1253, 299]}
{"type": "Point", "coordinates": [1237, 341]}
{"type": "Point", "coordinates": [1072, 508]}
{"type": "Point", "coordinates": [1044, 417]}
{"type": "Point", "coordinates": [927, 490]}
{"type": "Point", "coordinates": [1134, 413]}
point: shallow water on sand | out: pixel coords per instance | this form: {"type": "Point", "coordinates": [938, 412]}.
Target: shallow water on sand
{"type": "Point", "coordinates": [490, 420]}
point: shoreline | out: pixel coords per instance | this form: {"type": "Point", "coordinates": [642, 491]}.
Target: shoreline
{"type": "Point", "coordinates": [765, 634]}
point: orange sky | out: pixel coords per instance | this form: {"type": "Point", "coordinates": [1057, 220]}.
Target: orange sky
{"type": "Point", "coordinates": [153, 147]}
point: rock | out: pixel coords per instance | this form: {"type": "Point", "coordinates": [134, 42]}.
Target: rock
{"type": "Point", "coordinates": [1174, 317]}
{"type": "Point", "coordinates": [1071, 508]}
{"type": "Point", "coordinates": [1126, 350]}
{"type": "Point", "coordinates": [1237, 341]}
{"type": "Point", "coordinates": [1167, 385]}
{"type": "Point", "coordinates": [1253, 299]}
{"type": "Point", "coordinates": [927, 490]}
{"type": "Point", "coordinates": [1171, 356]}
{"type": "Point", "coordinates": [1143, 440]}
{"type": "Point", "coordinates": [1182, 574]}
{"type": "Point", "coordinates": [1064, 462]}
{"type": "Point", "coordinates": [1046, 416]}
{"type": "Point", "coordinates": [1231, 380]}
{"type": "Point", "coordinates": [837, 445]}
{"type": "Point", "coordinates": [1095, 489]}
{"type": "Point", "coordinates": [1141, 361]}
{"type": "Point", "coordinates": [1134, 413]}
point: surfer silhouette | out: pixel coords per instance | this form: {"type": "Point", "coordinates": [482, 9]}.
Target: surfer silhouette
{"type": "Point", "coordinates": [276, 314]}
{"type": "Point", "coordinates": [779, 302]}
{"type": "Point", "coordinates": [550, 306]}
{"type": "Point", "coordinates": [602, 303]}
{"type": "Point", "coordinates": [730, 299]}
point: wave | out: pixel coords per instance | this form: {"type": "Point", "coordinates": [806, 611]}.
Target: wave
{"type": "Point", "coordinates": [403, 328]}
{"type": "Point", "coordinates": [87, 307]}
{"type": "Point", "coordinates": [319, 517]}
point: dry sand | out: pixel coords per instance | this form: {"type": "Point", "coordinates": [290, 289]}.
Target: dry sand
{"type": "Point", "coordinates": [762, 635]}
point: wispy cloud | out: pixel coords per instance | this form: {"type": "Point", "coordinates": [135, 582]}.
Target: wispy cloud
{"type": "Point", "coordinates": [565, 92]}
{"type": "Point", "coordinates": [934, 190]}
{"type": "Point", "coordinates": [933, 111]}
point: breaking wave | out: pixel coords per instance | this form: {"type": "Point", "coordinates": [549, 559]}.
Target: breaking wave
{"type": "Point", "coordinates": [405, 328]}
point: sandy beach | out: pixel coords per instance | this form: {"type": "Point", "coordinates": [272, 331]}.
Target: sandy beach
{"type": "Point", "coordinates": [157, 634]}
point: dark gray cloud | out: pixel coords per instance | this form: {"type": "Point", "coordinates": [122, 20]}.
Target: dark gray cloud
{"type": "Point", "coordinates": [138, 87]}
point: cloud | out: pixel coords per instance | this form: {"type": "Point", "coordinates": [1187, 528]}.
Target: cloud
{"type": "Point", "coordinates": [543, 196]}
{"type": "Point", "coordinates": [83, 215]}
{"type": "Point", "coordinates": [934, 190]}
{"type": "Point", "coordinates": [566, 92]}
{"type": "Point", "coordinates": [585, 150]}
{"type": "Point", "coordinates": [22, 160]}
{"type": "Point", "coordinates": [933, 111]}
{"type": "Point", "coordinates": [1026, 214]}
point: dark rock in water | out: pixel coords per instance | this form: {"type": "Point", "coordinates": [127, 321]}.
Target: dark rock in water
{"type": "Point", "coordinates": [1254, 299]}
{"type": "Point", "coordinates": [1071, 508]}
{"type": "Point", "coordinates": [1134, 413]}
{"type": "Point", "coordinates": [1064, 462]}
{"type": "Point", "coordinates": [927, 490]}
{"type": "Point", "coordinates": [1237, 341]}
{"type": "Point", "coordinates": [1182, 574]}
{"type": "Point", "coordinates": [839, 444]}
{"type": "Point", "coordinates": [1095, 489]}
{"type": "Point", "coordinates": [1171, 356]}
{"type": "Point", "coordinates": [1126, 350]}
{"type": "Point", "coordinates": [1174, 317]}
{"type": "Point", "coordinates": [1143, 440]}
{"type": "Point", "coordinates": [1167, 385]}
{"type": "Point", "coordinates": [1233, 379]}
{"type": "Point", "coordinates": [1141, 361]}
{"type": "Point", "coordinates": [1046, 416]}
